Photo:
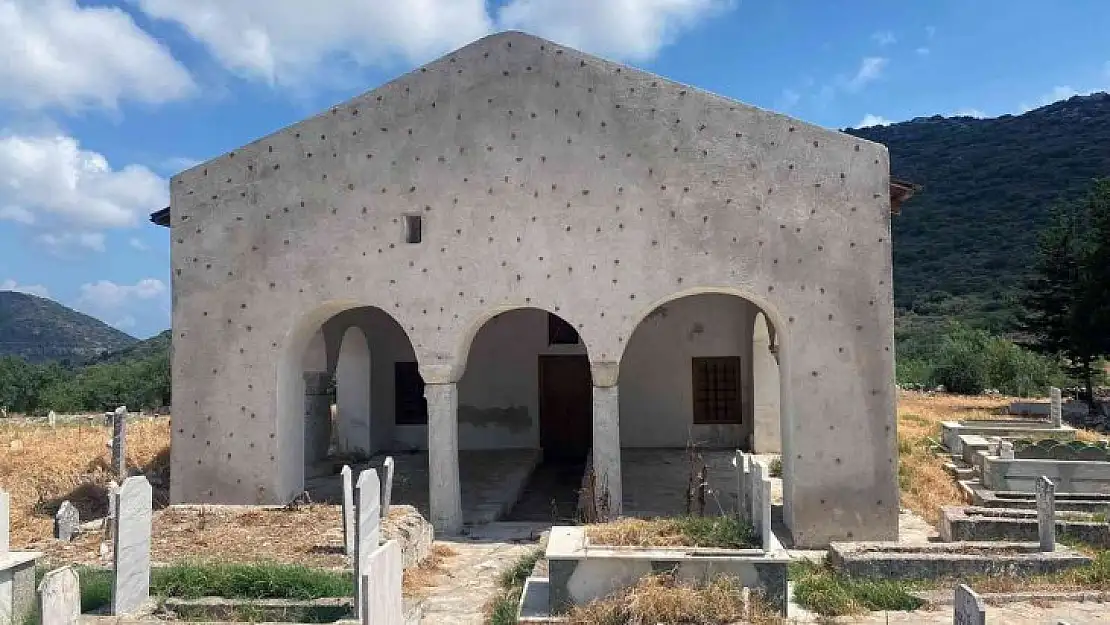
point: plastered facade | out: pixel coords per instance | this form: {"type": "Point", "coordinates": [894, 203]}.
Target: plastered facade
{"type": "Point", "coordinates": [550, 179]}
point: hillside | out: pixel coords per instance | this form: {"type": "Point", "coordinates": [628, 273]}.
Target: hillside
{"type": "Point", "coordinates": [141, 350]}
{"type": "Point", "coordinates": [962, 246]}
{"type": "Point", "coordinates": [39, 330]}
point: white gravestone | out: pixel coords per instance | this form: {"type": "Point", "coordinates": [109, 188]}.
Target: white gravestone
{"type": "Point", "coordinates": [969, 607]}
{"type": "Point", "coordinates": [387, 486]}
{"type": "Point", "coordinates": [5, 511]}
{"type": "Point", "coordinates": [52, 418]}
{"type": "Point", "coordinates": [60, 597]}
{"type": "Point", "coordinates": [131, 575]}
{"type": "Point", "coordinates": [760, 486]}
{"type": "Point", "coordinates": [67, 522]}
{"type": "Point", "coordinates": [368, 518]}
{"type": "Point", "coordinates": [348, 511]}
{"type": "Point", "coordinates": [1046, 513]}
{"type": "Point", "coordinates": [1006, 450]}
{"type": "Point", "coordinates": [381, 602]}
{"type": "Point", "coordinates": [1056, 407]}
{"type": "Point", "coordinates": [119, 442]}
{"type": "Point", "coordinates": [741, 481]}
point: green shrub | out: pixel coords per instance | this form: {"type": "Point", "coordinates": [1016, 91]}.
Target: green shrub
{"type": "Point", "coordinates": [820, 589]}
{"type": "Point", "coordinates": [776, 466]}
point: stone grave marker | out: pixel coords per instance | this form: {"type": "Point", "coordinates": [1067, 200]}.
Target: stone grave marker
{"type": "Point", "coordinates": [368, 518]}
{"type": "Point", "coordinates": [1046, 513]}
{"type": "Point", "coordinates": [387, 486]}
{"type": "Point", "coordinates": [67, 522]}
{"type": "Point", "coordinates": [5, 511]}
{"type": "Point", "coordinates": [1006, 450]}
{"type": "Point", "coordinates": [60, 597]}
{"type": "Point", "coordinates": [119, 442]}
{"type": "Point", "coordinates": [969, 607]}
{"type": "Point", "coordinates": [381, 602]}
{"type": "Point", "coordinates": [1056, 407]}
{"type": "Point", "coordinates": [741, 480]}
{"type": "Point", "coordinates": [52, 418]}
{"type": "Point", "coordinates": [348, 511]}
{"type": "Point", "coordinates": [131, 553]}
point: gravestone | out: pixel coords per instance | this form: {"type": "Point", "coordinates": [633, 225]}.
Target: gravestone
{"type": "Point", "coordinates": [368, 518]}
{"type": "Point", "coordinates": [381, 602]}
{"type": "Point", "coordinates": [60, 597]}
{"type": "Point", "coordinates": [760, 486]}
{"type": "Point", "coordinates": [119, 442]}
{"type": "Point", "coordinates": [5, 511]}
{"type": "Point", "coordinates": [131, 553]}
{"type": "Point", "coordinates": [1055, 407]}
{"type": "Point", "coordinates": [67, 522]}
{"type": "Point", "coordinates": [1006, 450]}
{"type": "Point", "coordinates": [1046, 513]}
{"type": "Point", "coordinates": [387, 486]}
{"type": "Point", "coordinates": [348, 512]}
{"type": "Point", "coordinates": [969, 607]}
{"type": "Point", "coordinates": [52, 418]}
{"type": "Point", "coordinates": [738, 461]}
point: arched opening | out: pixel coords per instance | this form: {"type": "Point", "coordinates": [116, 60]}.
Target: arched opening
{"type": "Point", "coordinates": [525, 411]}
{"type": "Point", "coordinates": [349, 392]}
{"type": "Point", "coordinates": [688, 400]}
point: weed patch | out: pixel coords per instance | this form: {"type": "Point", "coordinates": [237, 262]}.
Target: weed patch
{"type": "Point", "coordinates": [722, 532]}
{"type": "Point", "coordinates": [820, 589]}
{"type": "Point", "coordinates": [501, 610]}
{"type": "Point", "coordinates": [663, 599]}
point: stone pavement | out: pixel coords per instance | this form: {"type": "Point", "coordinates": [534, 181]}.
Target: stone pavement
{"type": "Point", "coordinates": [472, 577]}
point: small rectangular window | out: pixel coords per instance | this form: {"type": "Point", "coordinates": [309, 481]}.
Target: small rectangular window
{"type": "Point", "coordinates": [716, 390]}
{"type": "Point", "coordinates": [413, 228]}
{"type": "Point", "coordinates": [411, 406]}
{"type": "Point", "coordinates": [560, 332]}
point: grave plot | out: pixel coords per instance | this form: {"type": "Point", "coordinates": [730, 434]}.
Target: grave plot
{"type": "Point", "coordinates": [589, 563]}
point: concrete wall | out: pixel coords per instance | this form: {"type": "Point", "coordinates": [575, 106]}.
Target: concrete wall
{"type": "Point", "coordinates": [656, 376]}
{"type": "Point", "coordinates": [546, 178]}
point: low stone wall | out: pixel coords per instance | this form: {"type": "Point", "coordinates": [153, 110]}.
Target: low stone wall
{"type": "Point", "coordinates": [579, 573]}
{"type": "Point", "coordinates": [414, 533]}
{"type": "Point", "coordinates": [977, 524]}
{"type": "Point", "coordinates": [951, 431]}
{"type": "Point", "coordinates": [892, 560]}
{"type": "Point", "coordinates": [1078, 502]}
{"type": "Point", "coordinates": [1069, 476]}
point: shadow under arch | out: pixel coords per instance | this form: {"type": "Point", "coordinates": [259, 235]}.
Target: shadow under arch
{"type": "Point", "coordinates": [744, 327]}
{"type": "Point", "coordinates": [475, 326]}
{"type": "Point", "coordinates": [291, 387]}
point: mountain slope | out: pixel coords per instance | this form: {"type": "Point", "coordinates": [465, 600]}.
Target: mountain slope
{"type": "Point", "coordinates": [962, 246]}
{"type": "Point", "coordinates": [141, 350]}
{"type": "Point", "coordinates": [39, 329]}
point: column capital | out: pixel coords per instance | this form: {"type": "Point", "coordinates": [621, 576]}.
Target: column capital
{"type": "Point", "coordinates": [437, 374]}
{"type": "Point", "coordinates": [604, 374]}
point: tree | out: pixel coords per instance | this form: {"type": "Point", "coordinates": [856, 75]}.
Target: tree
{"type": "Point", "coordinates": [1067, 302]}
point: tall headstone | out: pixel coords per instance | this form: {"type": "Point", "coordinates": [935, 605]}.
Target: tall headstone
{"type": "Point", "coordinates": [52, 418]}
{"type": "Point", "coordinates": [1046, 513]}
{"type": "Point", "coordinates": [381, 602]}
{"type": "Point", "coordinates": [368, 518]}
{"type": "Point", "coordinates": [5, 512]}
{"type": "Point", "coordinates": [738, 461]}
{"type": "Point", "coordinates": [348, 511]}
{"type": "Point", "coordinates": [67, 522]}
{"type": "Point", "coordinates": [969, 607]}
{"type": "Point", "coordinates": [1056, 407]}
{"type": "Point", "coordinates": [131, 553]}
{"type": "Point", "coordinates": [387, 486]}
{"type": "Point", "coordinates": [759, 483]}
{"type": "Point", "coordinates": [1006, 450]}
{"type": "Point", "coordinates": [119, 442]}
{"type": "Point", "coordinates": [60, 597]}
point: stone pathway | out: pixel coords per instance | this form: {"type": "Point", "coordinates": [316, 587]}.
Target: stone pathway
{"type": "Point", "coordinates": [1073, 613]}
{"type": "Point", "coordinates": [473, 575]}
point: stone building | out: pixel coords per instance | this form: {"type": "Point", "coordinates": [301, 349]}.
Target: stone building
{"type": "Point", "coordinates": [521, 247]}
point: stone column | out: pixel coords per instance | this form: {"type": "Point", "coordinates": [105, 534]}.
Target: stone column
{"type": "Point", "coordinates": [443, 457]}
{"type": "Point", "coordinates": [1056, 407]}
{"type": "Point", "coordinates": [317, 418]}
{"type": "Point", "coordinates": [607, 443]}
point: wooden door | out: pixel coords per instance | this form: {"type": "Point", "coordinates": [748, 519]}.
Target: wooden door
{"type": "Point", "coordinates": [566, 407]}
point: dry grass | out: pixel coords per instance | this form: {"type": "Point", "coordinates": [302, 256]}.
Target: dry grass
{"type": "Point", "coordinates": [662, 599]}
{"type": "Point", "coordinates": [720, 532]}
{"type": "Point", "coordinates": [42, 466]}
{"type": "Point", "coordinates": [925, 485]}
{"type": "Point", "coordinates": [427, 574]}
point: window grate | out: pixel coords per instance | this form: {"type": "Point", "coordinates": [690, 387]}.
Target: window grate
{"type": "Point", "coordinates": [716, 390]}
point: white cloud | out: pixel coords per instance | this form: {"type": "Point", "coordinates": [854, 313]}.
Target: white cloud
{"type": "Point", "coordinates": [71, 244]}
{"type": "Point", "coordinates": [52, 175]}
{"type": "Point", "coordinates": [125, 323]}
{"type": "Point", "coordinates": [30, 289]}
{"type": "Point", "coordinates": [625, 29]}
{"type": "Point", "coordinates": [18, 214]}
{"type": "Point", "coordinates": [57, 53]}
{"type": "Point", "coordinates": [922, 51]}
{"type": "Point", "coordinates": [870, 69]}
{"type": "Point", "coordinates": [106, 296]}
{"type": "Point", "coordinates": [788, 99]}
{"type": "Point", "coordinates": [873, 120]}
{"type": "Point", "coordinates": [930, 31]}
{"type": "Point", "coordinates": [884, 38]}
{"type": "Point", "coordinates": [284, 41]}
{"type": "Point", "coordinates": [138, 244]}
{"type": "Point", "coordinates": [1059, 92]}
{"type": "Point", "coordinates": [178, 164]}
{"type": "Point", "coordinates": [970, 112]}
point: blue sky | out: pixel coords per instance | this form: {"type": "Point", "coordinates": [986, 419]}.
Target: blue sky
{"type": "Point", "coordinates": [101, 101]}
